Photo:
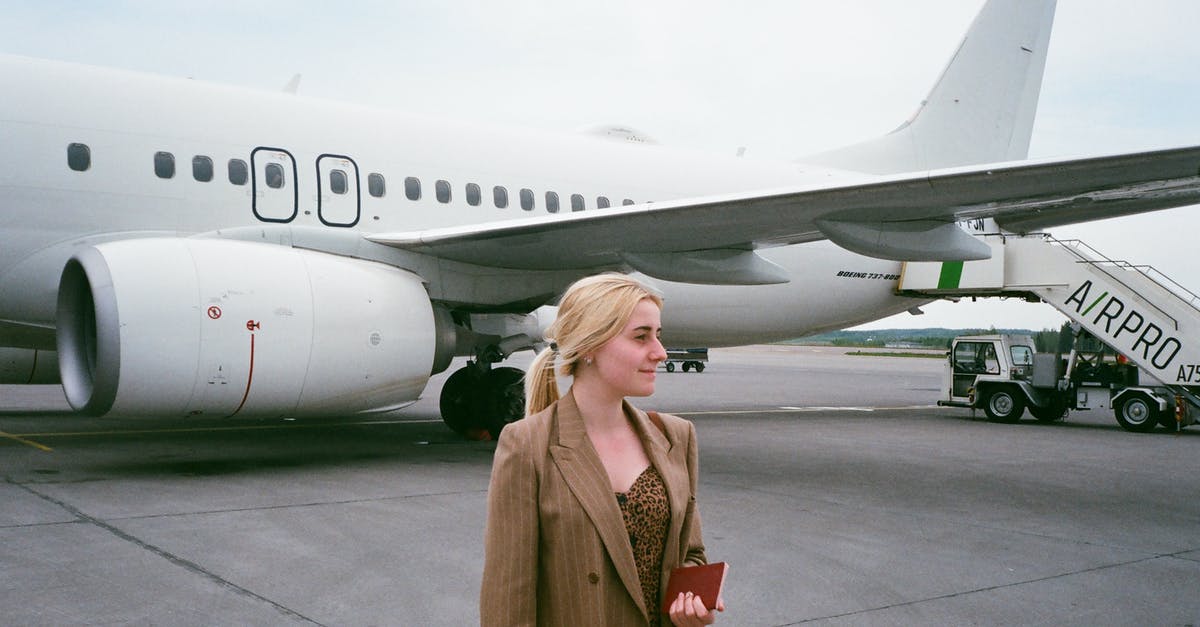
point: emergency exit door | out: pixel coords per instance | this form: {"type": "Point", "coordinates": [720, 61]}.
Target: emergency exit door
{"type": "Point", "coordinates": [338, 199]}
{"type": "Point", "coordinates": [276, 195]}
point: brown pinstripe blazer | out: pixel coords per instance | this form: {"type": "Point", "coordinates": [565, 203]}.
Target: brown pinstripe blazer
{"type": "Point", "coordinates": [556, 548]}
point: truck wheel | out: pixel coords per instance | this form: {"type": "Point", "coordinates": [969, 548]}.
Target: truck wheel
{"type": "Point", "coordinates": [670, 367]}
{"type": "Point", "coordinates": [1053, 412]}
{"type": "Point", "coordinates": [699, 366]}
{"type": "Point", "coordinates": [1136, 413]}
{"type": "Point", "coordinates": [1003, 405]}
{"type": "Point", "coordinates": [687, 366]}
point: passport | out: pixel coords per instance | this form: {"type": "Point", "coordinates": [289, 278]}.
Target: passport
{"type": "Point", "coordinates": [704, 581]}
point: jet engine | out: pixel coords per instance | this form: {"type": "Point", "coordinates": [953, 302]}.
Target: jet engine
{"type": "Point", "coordinates": [198, 326]}
{"type": "Point", "coordinates": [27, 366]}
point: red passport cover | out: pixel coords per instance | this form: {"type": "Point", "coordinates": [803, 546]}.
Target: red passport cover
{"type": "Point", "coordinates": [704, 581]}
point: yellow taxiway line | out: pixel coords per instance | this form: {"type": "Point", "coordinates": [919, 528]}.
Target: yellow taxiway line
{"type": "Point", "coordinates": [17, 438]}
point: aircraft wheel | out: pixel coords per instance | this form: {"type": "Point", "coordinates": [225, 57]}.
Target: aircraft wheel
{"type": "Point", "coordinates": [459, 403]}
{"type": "Point", "coordinates": [1004, 405]}
{"type": "Point", "coordinates": [1051, 413]}
{"type": "Point", "coordinates": [1136, 413]}
{"type": "Point", "coordinates": [505, 398]}
{"type": "Point", "coordinates": [670, 367]}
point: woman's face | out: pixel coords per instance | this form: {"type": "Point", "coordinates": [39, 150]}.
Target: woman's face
{"type": "Point", "coordinates": [626, 364]}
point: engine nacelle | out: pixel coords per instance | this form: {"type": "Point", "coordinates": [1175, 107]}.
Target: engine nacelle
{"type": "Point", "coordinates": [185, 327]}
{"type": "Point", "coordinates": [28, 366]}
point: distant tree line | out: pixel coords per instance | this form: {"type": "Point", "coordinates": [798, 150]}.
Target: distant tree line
{"type": "Point", "coordinates": [1045, 341]}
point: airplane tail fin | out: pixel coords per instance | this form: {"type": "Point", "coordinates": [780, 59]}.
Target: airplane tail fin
{"type": "Point", "coordinates": [982, 107]}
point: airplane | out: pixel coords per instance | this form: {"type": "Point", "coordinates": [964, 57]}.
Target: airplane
{"type": "Point", "coordinates": [177, 248]}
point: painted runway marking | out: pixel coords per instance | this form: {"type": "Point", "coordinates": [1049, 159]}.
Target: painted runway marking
{"type": "Point", "coordinates": [828, 408]}
{"type": "Point", "coordinates": [792, 410]}
{"type": "Point", "coordinates": [22, 440]}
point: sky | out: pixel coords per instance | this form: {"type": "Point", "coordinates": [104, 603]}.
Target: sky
{"type": "Point", "coordinates": [781, 78]}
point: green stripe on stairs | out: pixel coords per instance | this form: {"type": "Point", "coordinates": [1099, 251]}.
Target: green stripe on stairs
{"type": "Point", "coordinates": [951, 275]}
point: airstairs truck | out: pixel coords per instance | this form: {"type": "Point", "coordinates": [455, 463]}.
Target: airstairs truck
{"type": "Point", "coordinates": [1003, 375]}
{"type": "Point", "coordinates": [1150, 321]}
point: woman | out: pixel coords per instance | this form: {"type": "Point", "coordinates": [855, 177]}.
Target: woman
{"type": "Point", "coordinates": [592, 501]}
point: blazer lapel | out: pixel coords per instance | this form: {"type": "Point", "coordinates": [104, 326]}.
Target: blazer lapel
{"type": "Point", "coordinates": [585, 476]}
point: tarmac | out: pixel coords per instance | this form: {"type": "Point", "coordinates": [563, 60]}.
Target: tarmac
{"type": "Point", "coordinates": [836, 490]}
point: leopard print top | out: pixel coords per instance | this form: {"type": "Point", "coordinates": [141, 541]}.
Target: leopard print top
{"type": "Point", "coordinates": [647, 514]}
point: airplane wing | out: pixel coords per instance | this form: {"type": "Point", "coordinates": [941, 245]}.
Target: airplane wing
{"type": "Point", "coordinates": [908, 217]}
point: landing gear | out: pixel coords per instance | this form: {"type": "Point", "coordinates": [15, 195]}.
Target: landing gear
{"type": "Point", "coordinates": [477, 402]}
{"type": "Point", "coordinates": [505, 395]}
{"type": "Point", "coordinates": [458, 403]}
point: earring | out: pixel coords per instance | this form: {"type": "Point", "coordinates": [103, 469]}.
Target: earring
{"type": "Point", "coordinates": [587, 360]}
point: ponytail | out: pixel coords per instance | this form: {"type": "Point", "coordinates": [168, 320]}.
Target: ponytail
{"type": "Point", "coordinates": [541, 382]}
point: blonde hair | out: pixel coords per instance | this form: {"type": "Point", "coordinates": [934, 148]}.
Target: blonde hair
{"type": "Point", "coordinates": [592, 311]}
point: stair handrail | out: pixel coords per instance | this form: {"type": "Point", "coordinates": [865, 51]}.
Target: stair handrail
{"type": "Point", "coordinates": [1150, 272]}
{"type": "Point", "coordinates": [1095, 258]}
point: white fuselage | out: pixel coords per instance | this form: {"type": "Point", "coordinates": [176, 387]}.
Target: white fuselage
{"type": "Point", "coordinates": [50, 210]}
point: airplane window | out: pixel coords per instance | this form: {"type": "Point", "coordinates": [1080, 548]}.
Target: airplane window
{"type": "Point", "coordinates": [274, 173]}
{"type": "Point", "coordinates": [442, 190]}
{"type": "Point", "coordinates": [412, 188]}
{"type": "Point", "coordinates": [79, 157]}
{"type": "Point", "coordinates": [527, 199]}
{"type": "Point", "coordinates": [500, 196]}
{"type": "Point", "coordinates": [576, 202]}
{"type": "Point", "coordinates": [238, 172]}
{"type": "Point", "coordinates": [626, 202]}
{"type": "Point", "coordinates": [337, 181]}
{"type": "Point", "coordinates": [376, 185]}
{"type": "Point", "coordinates": [202, 168]}
{"type": "Point", "coordinates": [164, 165]}
{"type": "Point", "coordinates": [602, 202]}
{"type": "Point", "coordinates": [552, 202]}
{"type": "Point", "coordinates": [473, 196]}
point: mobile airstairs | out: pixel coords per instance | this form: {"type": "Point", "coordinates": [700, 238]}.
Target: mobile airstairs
{"type": "Point", "coordinates": [1136, 311]}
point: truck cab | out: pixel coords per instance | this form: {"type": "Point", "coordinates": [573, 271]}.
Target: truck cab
{"type": "Point", "coordinates": [993, 372]}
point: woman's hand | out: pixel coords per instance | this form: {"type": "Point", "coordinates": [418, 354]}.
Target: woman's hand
{"type": "Point", "coordinates": [687, 610]}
